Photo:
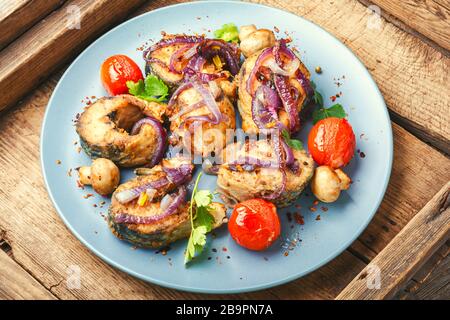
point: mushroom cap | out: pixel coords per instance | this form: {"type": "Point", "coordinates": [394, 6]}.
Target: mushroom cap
{"type": "Point", "coordinates": [105, 176]}
{"type": "Point", "coordinates": [326, 184]}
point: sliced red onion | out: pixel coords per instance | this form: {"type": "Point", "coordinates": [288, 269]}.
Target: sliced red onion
{"type": "Point", "coordinates": [305, 83]}
{"type": "Point", "coordinates": [227, 52]}
{"type": "Point", "coordinates": [264, 55]}
{"type": "Point", "coordinates": [178, 175]}
{"type": "Point", "coordinates": [281, 48]}
{"type": "Point", "coordinates": [177, 92]}
{"type": "Point", "coordinates": [251, 163]}
{"type": "Point", "coordinates": [283, 88]}
{"type": "Point", "coordinates": [176, 57]}
{"type": "Point", "coordinates": [288, 70]}
{"type": "Point", "coordinates": [170, 207]}
{"type": "Point", "coordinates": [265, 104]}
{"type": "Point", "coordinates": [187, 109]}
{"type": "Point", "coordinates": [209, 100]}
{"type": "Point", "coordinates": [171, 41]}
{"type": "Point", "coordinates": [128, 195]}
{"type": "Point", "coordinates": [161, 136]}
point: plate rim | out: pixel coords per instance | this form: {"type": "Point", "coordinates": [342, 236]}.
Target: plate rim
{"type": "Point", "coordinates": [243, 289]}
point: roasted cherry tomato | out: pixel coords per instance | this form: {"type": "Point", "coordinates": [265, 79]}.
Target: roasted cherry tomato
{"type": "Point", "coordinates": [116, 71]}
{"type": "Point", "coordinates": [254, 224]}
{"type": "Point", "coordinates": [332, 142]}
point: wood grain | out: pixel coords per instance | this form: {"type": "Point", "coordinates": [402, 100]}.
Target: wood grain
{"type": "Point", "coordinates": [46, 46]}
{"type": "Point", "coordinates": [407, 252]}
{"type": "Point", "coordinates": [432, 281]}
{"type": "Point", "coordinates": [17, 16]}
{"type": "Point", "coordinates": [17, 284]}
{"type": "Point", "coordinates": [412, 76]}
{"type": "Point", "coordinates": [430, 18]}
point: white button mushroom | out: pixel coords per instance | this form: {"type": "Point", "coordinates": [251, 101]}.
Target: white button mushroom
{"type": "Point", "coordinates": [103, 175]}
{"type": "Point", "coordinates": [254, 40]}
{"type": "Point", "coordinates": [327, 183]}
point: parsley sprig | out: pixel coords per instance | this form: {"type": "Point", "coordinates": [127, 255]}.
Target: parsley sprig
{"type": "Point", "coordinates": [150, 89]}
{"type": "Point", "coordinates": [201, 221]}
{"type": "Point", "coordinates": [336, 111]}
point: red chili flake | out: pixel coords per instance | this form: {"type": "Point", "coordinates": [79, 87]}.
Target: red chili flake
{"type": "Point", "coordinates": [313, 209]}
{"type": "Point", "coordinates": [163, 33]}
{"type": "Point", "coordinates": [318, 217]}
{"type": "Point", "coordinates": [286, 253]}
{"type": "Point", "coordinates": [325, 209]}
{"type": "Point", "coordinates": [87, 196]}
{"type": "Point", "coordinates": [299, 218]}
{"type": "Point", "coordinates": [316, 202]}
{"type": "Point", "coordinates": [276, 29]}
{"type": "Point", "coordinates": [224, 249]}
{"type": "Point", "coordinates": [94, 205]}
{"type": "Point", "coordinates": [333, 98]}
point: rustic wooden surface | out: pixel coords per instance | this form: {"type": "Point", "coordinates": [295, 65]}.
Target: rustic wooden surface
{"type": "Point", "coordinates": [16, 16]}
{"type": "Point", "coordinates": [54, 41]}
{"type": "Point", "coordinates": [413, 77]}
{"type": "Point", "coordinates": [407, 252]}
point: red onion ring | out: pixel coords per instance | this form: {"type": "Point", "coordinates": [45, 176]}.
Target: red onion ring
{"type": "Point", "coordinates": [177, 201]}
{"type": "Point", "coordinates": [209, 100]}
{"type": "Point", "coordinates": [177, 57]}
{"type": "Point", "coordinates": [265, 104]}
{"type": "Point", "coordinates": [264, 55]}
{"type": "Point", "coordinates": [177, 92]}
{"type": "Point", "coordinates": [229, 53]}
{"type": "Point", "coordinates": [161, 135]}
{"type": "Point", "coordinates": [171, 41]}
{"type": "Point", "coordinates": [179, 175]}
{"type": "Point", "coordinates": [282, 86]}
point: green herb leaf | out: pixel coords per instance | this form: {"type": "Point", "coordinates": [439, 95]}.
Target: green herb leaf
{"type": "Point", "coordinates": [136, 88]}
{"type": "Point", "coordinates": [203, 198]}
{"type": "Point", "coordinates": [152, 89]}
{"type": "Point", "coordinates": [293, 143]}
{"type": "Point", "coordinates": [204, 218]}
{"type": "Point", "coordinates": [336, 111]}
{"type": "Point", "coordinates": [229, 32]}
{"type": "Point", "coordinates": [318, 99]}
{"type": "Point", "coordinates": [201, 222]}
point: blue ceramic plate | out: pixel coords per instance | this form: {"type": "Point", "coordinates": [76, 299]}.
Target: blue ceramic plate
{"type": "Point", "coordinates": [232, 269]}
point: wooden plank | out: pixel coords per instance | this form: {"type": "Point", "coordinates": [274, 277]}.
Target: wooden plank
{"type": "Point", "coordinates": [430, 18]}
{"type": "Point", "coordinates": [17, 284]}
{"type": "Point", "coordinates": [415, 179]}
{"type": "Point", "coordinates": [409, 250]}
{"type": "Point", "coordinates": [412, 76]}
{"type": "Point", "coordinates": [46, 46]}
{"type": "Point", "coordinates": [432, 281]}
{"type": "Point", "coordinates": [17, 16]}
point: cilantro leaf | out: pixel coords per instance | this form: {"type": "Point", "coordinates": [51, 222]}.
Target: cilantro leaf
{"type": "Point", "coordinates": [136, 88]}
{"type": "Point", "coordinates": [204, 218]}
{"type": "Point", "coordinates": [151, 89]}
{"type": "Point", "coordinates": [203, 198]}
{"type": "Point", "coordinates": [336, 111]}
{"type": "Point", "coordinates": [229, 33]}
{"type": "Point", "coordinates": [293, 143]}
{"type": "Point", "coordinates": [201, 222]}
